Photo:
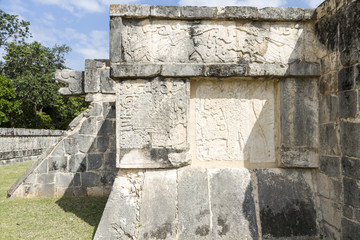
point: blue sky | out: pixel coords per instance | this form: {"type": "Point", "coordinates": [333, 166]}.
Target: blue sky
{"type": "Point", "coordinates": [84, 24]}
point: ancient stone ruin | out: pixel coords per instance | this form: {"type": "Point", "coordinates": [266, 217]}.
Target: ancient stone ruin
{"type": "Point", "coordinates": [216, 123]}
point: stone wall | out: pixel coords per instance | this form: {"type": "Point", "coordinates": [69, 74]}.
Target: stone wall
{"type": "Point", "coordinates": [19, 145]}
{"type": "Point", "coordinates": [216, 123]}
{"type": "Point", "coordinates": [338, 30]}
{"type": "Point", "coordinates": [82, 163]}
{"type": "Point", "coordinates": [225, 102]}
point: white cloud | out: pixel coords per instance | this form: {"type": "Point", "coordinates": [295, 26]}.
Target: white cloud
{"type": "Point", "coordinates": [314, 3]}
{"type": "Point", "coordinates": [253, 3]}
{"type": "Point", "coordinates": [78, 7]}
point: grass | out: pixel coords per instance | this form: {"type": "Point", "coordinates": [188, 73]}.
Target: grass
{"type": "Point", "coordinates": [45, 218]}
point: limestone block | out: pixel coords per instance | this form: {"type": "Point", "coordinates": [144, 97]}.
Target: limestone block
{"type": "Point", "coordinates": [235, 118]}
{"type": "Point", "coordinates": [152, 120]}
{"type": "Point", "coordinates": [299, 106]}
{"type": "Point", "coordinates": [90, 179]}
{"type": "Point", "coordinates": [77, 163]}
{"type": "Point", "coordinates": [329, 139]}
{"type": "Point", "coordinates": [350, 138]}
{"type": "Point", "coordinates": [94, 161]}
{"type": "Point", "coordinates": [348, 104]}
{"type": "Point", "coordinates": [328, 108]}
{"type": "Point", "coordinates": [350, 230]}
{"type": "Point", "coordinates": [121, 222]}
{"type": "Point", "coordinates": [232, 204]}
{"type": "Point", "coordinates": [193, 204]}
{"type": "Point", "coordinates": [330, 166]}
{"type": "Point", "coordinates": [207, 41]}
{"type": "Point", "coordinates": [287, 203]}
{"type": "Point", "coordinates": [73, 80]}
{"type": "Point", "coordinates": [350, 167]}
{"type": "Point", "coordinates": [158, 205]}
{"type": "Point", "coordinates": [331, 212]}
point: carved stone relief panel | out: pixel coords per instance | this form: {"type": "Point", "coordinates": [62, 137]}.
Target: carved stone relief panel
{"type": "Point", "coordinates": [235, 121]}
{"type": "Point", "coordinates": [183, 41]}
{"type": "Point", "coordinates": [152, 119]}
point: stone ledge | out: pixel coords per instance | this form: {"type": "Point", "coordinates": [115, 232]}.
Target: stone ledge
{"type": "Point", "coordinates": [21, 132]}
{"type": "Point", "coordinates": [196, 12]}
{"type": "Point", "coordinates": [298, 69]}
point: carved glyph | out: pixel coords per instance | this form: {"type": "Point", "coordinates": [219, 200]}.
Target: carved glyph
{"type": "Point", "coordinates": [212, 41]}
{"type": "Point", "coordinates": [73, 80]}
{"type": "Point", "coordinates": [235, 120]}
{"type": "Point", "coordinates": [152, 122]}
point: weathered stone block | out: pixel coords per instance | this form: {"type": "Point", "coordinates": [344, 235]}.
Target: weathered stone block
{"type": "Point", "coordinates": [129, 10]}
{"type": "Point", "coordinates": [158, 205]}
{"type": "Point", "coordinates": [328, 83]}
{"type": "Point", "coordinates": [299, 113]}
{"type": "Point", "coordinates": [286, 201]}
{"type": "Point", "coordinates": [115, 39]}
{"type": "Point", "coordinates": [232, 205]}
{"type": "Point", "coordinates": [58, 150]}
{"type": "Point", "coordinates": [109, 161]}
{"type": "Point", "coordinates": [120, 219]}
{"type": "Point", "coordinates": [193, 204]}
{"type": "Point", "coordinates": [94, 161]}
{"type": "Point", "coordinates": [71, 145]}
{"type": "Point", "coordinates": [238, 12]}
{"type": "Point", "coordinates": [64, 180]}
{"type": "Point", "coordinates": [109, 110]}
{"type": "Point", "coordinates": [277, 13]}
{"type": "Point", "coordinates": [107, 128]}
{"type": "Point", "coordinates": [330, 233]}
{"type": "Point", "coordinates": [233, 118]}
{"type": "Point", "coordinates": [88, 126]}
{"type": "Point", "coordinates": [331, 212]}
{"type": "Point", "coordinates": [336, 190]}
{"type": "Point", "coordinates": [90, 179]}
{"type": "Point", "coordinates": [77, 180]}
{"type": "Point", "coordinates": [102, 143]}
{"type": "Point", "coordinates": [351, 192]}
{"type": "Point", "coordinates": [77, 163]}
{"type": "Point", "coordinates": [45, 190]}
{"type": "Point", "coordinates": [330, 166]}
{"type": "Point", "coordinates": [165, 11]}
{"type": "Point", "coordinates": [43, 167]}
{"type": "Point", "coordinates": [323, 184]}
{"type": "Point", "coordinates": [351, 167]}
{"type": "Point", "coordinates": [86, 143]}
{"type": "Point", "coordinates": [329, 140]}
{"type": "Point", "coordinates": [350, 230]}
{"type": "Point", "coordinates": [195, 12]}
{"type": "Point", "coordinates": [348, 211]}
{"type": "Point", "coordinates": [328, 108]}
{"type": "Point", "coordinates": [107, 178]}
{"type": "Point", "coordinates": [45, 178]}
{"type": "Point", "coordinates": [350, 138]}
{"type": "Point", "coordinates": [301, 157]}
{"type": "Point", "coordinates": [346, 79]}
{"type": "Point", "coordinates": [95, 110]}
{"type": "Point", "coordinates": [348, 104]}
{"type": "Point", "coordinates": [57, 164]}
{"type": "Point", "coordinates": [152, 119]}
{"type": "Point", "coordinates": [73, 80]}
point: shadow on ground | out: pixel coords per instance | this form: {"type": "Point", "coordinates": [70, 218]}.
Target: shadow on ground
{"type": "Point", "coordinates": [89, 209]}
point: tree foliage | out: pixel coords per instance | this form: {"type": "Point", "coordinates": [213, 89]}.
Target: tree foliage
{"type": "Point", "coordinates": [30, 68]}
{"type": "Point", "coordinates": [9, 106]}
{"type": "Point", "coordinates": [12, 29]}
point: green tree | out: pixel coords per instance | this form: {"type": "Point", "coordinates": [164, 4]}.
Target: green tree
{"type": "Point", "coordinates": [9, 106]}
{"type": "Point", "coordinates": [12, 29]}
{"type": "Point", "coordinates": [31, 67]}
{"type": "Point", "coordinates": [29, 96]}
